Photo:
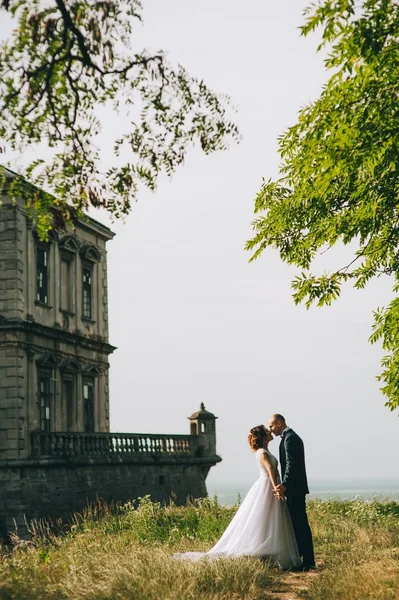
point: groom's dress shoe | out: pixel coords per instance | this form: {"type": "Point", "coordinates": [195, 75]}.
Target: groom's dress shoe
{"type": "Point", "coordinates": [307, 567]}
{"type": "Point", "coordinates": [303, 568]}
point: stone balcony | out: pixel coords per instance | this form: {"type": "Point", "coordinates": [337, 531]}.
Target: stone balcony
{"type": "Point", "coordinates": [112, 445]}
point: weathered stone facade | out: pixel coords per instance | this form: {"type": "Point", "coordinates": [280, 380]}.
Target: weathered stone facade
{"type": "Point", "coordinates": [55, 450]}
{"type": "Point", "coordinates": [47, 342]}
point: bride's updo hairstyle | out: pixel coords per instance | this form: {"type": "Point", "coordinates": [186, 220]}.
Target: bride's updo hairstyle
{"type": "Point", "coordinates": [257, 437]}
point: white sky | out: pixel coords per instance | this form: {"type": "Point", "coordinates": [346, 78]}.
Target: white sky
{"type": "Point", "coordinates": [193, 321]}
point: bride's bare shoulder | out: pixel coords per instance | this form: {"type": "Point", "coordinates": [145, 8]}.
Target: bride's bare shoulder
{"type": "Point", "coordinates": [262, 451]}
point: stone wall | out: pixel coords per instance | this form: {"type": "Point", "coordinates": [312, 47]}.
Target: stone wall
{"type": "Point", "coordinates": [11, 262]}
{"type": "Point", "coordinates": [12, 392]}
{"type": "Point", "coordinates": [56, 488]}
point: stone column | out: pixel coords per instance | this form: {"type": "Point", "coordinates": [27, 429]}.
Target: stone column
{"type": "Point", "coordinates": [30, 280]}
{"type": "Point", "coordinates": [78, 292]}
{"type": "Point", "coordinates": [58, 408]}
{"type": "Point", "coordinates": [99, 306]}
{"type": "Point", "coordinates": [33, 421]}
{"type": "Point", "coordinates": [103, 297]}
{"type": "Point", "coordinates": [106, 401]}
{"type": "Point", "coordinates": [79, 403]}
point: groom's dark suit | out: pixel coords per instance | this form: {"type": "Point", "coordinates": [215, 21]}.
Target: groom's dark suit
{"type": "Point", "coordinates": [292, 461]}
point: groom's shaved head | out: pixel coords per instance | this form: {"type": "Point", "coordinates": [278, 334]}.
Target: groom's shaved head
{"type": "Point", "coordinates": [277, 424]}
{"type": "Point", "coordinates": [278, 417]}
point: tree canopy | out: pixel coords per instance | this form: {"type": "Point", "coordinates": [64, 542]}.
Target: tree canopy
{"type": "Point", "coordinates": [339, 173]}
{"type": "Point", "coordinates": [64, 59]}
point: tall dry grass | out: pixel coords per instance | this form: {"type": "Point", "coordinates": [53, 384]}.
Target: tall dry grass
{"type": "Point", "coordinates": [127, 554]}
{"type": "Point", "coordinates": [359, 543]}
{"type": "Point", "coordinates": [122, 553]}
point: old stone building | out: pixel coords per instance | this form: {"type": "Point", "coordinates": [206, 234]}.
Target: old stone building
{"type": "Point", "coordinates": [56, 452]}
{"type": "Point", "coordinates": [54, 330]}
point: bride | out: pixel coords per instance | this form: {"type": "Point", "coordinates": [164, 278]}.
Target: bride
{"type": "Point", "coordinates": [262, 525]}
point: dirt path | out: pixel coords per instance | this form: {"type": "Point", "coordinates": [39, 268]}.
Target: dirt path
{"type": "Point", "coordinates": [292, 584]}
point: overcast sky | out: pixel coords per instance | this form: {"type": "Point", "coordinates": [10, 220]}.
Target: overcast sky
{"type": "Point", "coordinates": [192, 320]}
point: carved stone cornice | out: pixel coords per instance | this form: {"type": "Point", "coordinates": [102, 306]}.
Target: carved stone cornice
{"type": "Point", "coordinates": [85, 222]}
{"type": "Point", "coordinates": [54, 333]}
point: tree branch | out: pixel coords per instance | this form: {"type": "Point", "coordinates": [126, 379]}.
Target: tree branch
{"type": "Point", "coordinates": [86, 58]}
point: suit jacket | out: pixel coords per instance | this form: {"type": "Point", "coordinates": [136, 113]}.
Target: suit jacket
{"type": "Point", "coordinates": [292, 462]}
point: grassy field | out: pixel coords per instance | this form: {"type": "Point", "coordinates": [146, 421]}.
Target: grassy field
{"type": "Point", "coordinates": [126, 553]}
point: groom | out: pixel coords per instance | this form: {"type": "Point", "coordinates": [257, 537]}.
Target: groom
{"type": "Point", "coordinates": [294, 486]}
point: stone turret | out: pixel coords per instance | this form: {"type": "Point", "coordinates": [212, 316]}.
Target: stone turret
{"type": "Point", "coordinates": [203, 425]}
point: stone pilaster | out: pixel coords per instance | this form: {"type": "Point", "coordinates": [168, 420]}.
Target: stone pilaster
{"type": "Point", "coordinates": [12, 393]}
{"type": "Point", "coordinates": [11, 264]}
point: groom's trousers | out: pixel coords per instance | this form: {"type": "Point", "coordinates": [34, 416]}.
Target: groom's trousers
{"type": "Point", "coordinates": [297, 507]}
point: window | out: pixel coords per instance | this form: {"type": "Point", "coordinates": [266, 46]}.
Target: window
{"type": "Point", "coordinates": [68, 401]}
{"type": "Point", "coordinates": [87, 293]}
{"type": "Point", "coordinates": [66, 284]}
{"type": "Point", "coordinates": [88, 397]}
{"type": "Point", "coordinates": [45, 402]}
{"type": "Point", "coordinates": [42, 274]}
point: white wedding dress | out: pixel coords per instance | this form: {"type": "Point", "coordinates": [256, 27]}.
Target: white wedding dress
{"type": "Point", "coordinates": [261, 527]}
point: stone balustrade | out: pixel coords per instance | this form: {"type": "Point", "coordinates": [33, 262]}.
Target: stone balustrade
{"type": "Point", "coordinates": [68, 445]}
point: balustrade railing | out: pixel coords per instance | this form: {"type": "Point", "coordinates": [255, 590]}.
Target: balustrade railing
{"type": "Point", "coordinates": [65, 445]}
